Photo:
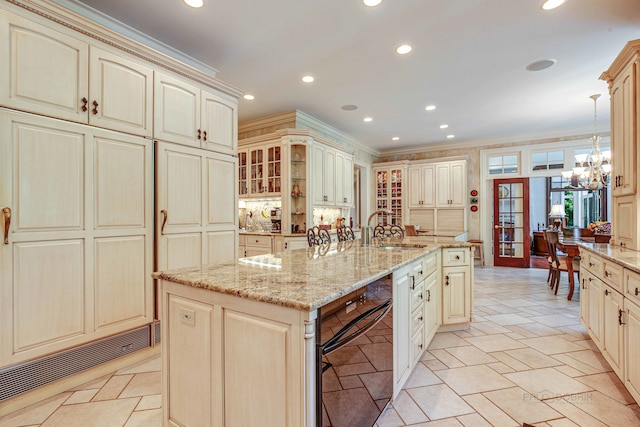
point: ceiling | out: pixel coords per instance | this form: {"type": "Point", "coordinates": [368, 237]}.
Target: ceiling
{"type": "Point", "coordinates": [468, 59]}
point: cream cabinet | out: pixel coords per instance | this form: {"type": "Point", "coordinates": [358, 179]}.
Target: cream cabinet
{"type": "Point", "coordinates": [623, 77]}
{"type": "Point", "coordinates": [422, 186]}
{"type": "Point", "coordinates": [257, 245]}
{"type": "Point", "coordinates": [456, 285]}
{"type": "Point", "coordinates": [390, 184]}
{"type": "Point", "coordinates": [193, 188]}
{"type": "Point", "coordinates": [57, 75]}
{"type": "Point", "coordinates": [612, 332]}
{"type": "Point", "coordinates": [323, 164]}
{"type": "Point", "coordinates": [344, 179]}
{"type": "Point", "coordinates": [189, 115]}
{"type": "Point", "coordinates": [260, 170]}
{"type": "Point", "coordinates": [77, 257]}
{"type": "Point", "coordinates": [632, 348]}
{"type": "Point", "coordinates": [451, 184]}
{"type": "Point", "coordinates": [402, 295]}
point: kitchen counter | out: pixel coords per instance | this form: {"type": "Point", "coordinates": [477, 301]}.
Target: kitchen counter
{"type": "Point", "coordinates": [305, 279]}
{"type": "Point", "coordinates": [626, 257]}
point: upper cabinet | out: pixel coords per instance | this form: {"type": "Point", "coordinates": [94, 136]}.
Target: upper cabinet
{"type": "Point", "coordinates": [260, 171]}
{"type": "Point", "coordinates": [344, 179]}
{"type": "Point", "coordinates": [451, 184]}
{"type": "Point", "coordinates": [422, 186]}
{"type": "Point", "coordinates": [57, 75]}
{"type": "Point", "coordinates": [623, 77]}
{"type": "Point", "coordinates": [188, 115]}
{"type": "Point", "coordinates": [324, 174]}
{"type": "Point", "coordinates": [389, 190]}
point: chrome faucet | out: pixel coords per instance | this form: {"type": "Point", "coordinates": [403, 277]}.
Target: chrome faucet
{"type": "Point", "coordinates": [367, 232]}
{"type": "Point", "coordinates": [379, 211]}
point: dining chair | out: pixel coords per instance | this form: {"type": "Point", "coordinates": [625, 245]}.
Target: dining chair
{"type": "Point", "coordinates": [558, 262]}
{"type": "Point", "coordinates": [410, 230]}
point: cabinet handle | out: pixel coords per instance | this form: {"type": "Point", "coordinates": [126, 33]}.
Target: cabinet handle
{"type": "Point", "coordinates": [606, 273]}
{"type": "Point", "coordinates": [420, 319]}
{"type": "Point", "coordinates": [428, 295]}
{"type": "Point", "coordinates": [95, 107]}
{"type": "Point", "coordinates": [606, 292]}
{"type": "Point", "coordinates": [446, 281]}
{"type": "Point", "coordinates": [164, 220]}
{"type": "Point", "coordinates": [421, 296]}
{"type": "Point", "coordinates": [583, 285]}
{"type": "Point", "coordinates": [637, 292]}
{"type": "Point", "coordinates": [6, 212]}
{"type": "Point", "coordinates": [199, 136]}
{"type": "Point", "coordinates": [85, 101]}
{"type": "Point", "coordinates": [620, 322]}
{"type": "Point", "coordinates": [204, 135]}
{"type": "Point", "coordinates": [421, 273]}
{"type": "Point", "coordinates": [590, 264]}
{"type": "Point", "coordinates": [413, 282]}
{"type": "Point", "coordinates": [420, 346]}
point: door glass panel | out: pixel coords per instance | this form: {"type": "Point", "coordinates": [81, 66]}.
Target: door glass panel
{"type": "Point", "coordinates": [510, 222]}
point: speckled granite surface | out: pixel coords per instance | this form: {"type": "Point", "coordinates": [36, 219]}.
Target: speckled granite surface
{"type": "Point", "coordinates": [306, 278]}
{"type": "Point", "coordinates": [625, 257]}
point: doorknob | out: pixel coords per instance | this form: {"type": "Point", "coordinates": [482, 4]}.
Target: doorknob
{"type": "Point", "coordinates": [496, 226]}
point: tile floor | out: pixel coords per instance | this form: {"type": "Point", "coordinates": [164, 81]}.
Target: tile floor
{"type": "Point", "coordinates": [526, 358]}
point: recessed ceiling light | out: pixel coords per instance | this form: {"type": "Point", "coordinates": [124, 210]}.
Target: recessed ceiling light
{"type": "Point", "coordinates": [368, 119]}
{"type": "Point", "coordinates": [371, 3]}
{"type": "Point", "coordinates": [349, 107]}
{"type": "Point", "coordinates": [540, 65]}
{"type": "Point", "coordinates": [308, 79]}
{"type": "Point", "coordinates": [403, 49]}
{"type": "Point", "coordinates": [395, 138]}
{"type": "Point", "coordinates": [450, 136]}
{"type": "Point", "coordinates": [249, 97]}
{"type": "Point", "coordinates": [430, 107]}
{"type": "Point", "coordinates": [552, 4]}
{"type": "Point", "coordinates": [194, 3]}
{"type": "Point", "coordinates": [444, 126]}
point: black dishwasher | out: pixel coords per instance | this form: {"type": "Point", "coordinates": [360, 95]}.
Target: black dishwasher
{"type": "Point", "coordinates": [354, 358]}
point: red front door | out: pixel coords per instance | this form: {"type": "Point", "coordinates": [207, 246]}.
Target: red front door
{"type": "Point", "coordinates": [511, 241]}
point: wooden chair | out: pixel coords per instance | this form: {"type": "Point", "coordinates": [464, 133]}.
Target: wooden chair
{"type": "Point", "coordinates": [345, 233]}
{"type": "Point", "coordinates": [558, 263]}
{"type": "Point", "coordinates": [410, 230]}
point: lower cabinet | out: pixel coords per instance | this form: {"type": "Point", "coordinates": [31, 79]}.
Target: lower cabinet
{"type": "Point", "coordinates": [632, 348]}
{"type": "Point", "coordinates": [257, 245]}
{"type": "Point", "coordinates": [612, 338]}
{"type": "Point", "coordinates": [456, 285]}
{"type": "Point", "coordinates": [401, 327]}
{"type": "Point", "coordinates": [594, 327]}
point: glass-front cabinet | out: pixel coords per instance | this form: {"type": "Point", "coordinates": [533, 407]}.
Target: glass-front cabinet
{"type": "Point", "coordinates": [299, 189]}
{"type": "Point", "coordinates": [260, 171]}
{"type": "Point", "coordinates": [243, 189]}
{"type": "Point", "coordinates": [389, 189]}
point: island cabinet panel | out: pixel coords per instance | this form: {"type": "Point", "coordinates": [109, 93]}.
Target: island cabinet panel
{"type": "Point", "coordinates": [632, 348]}
{"type": "Point", "coordinates": [401, 327]}
{"type": "Point", "coordinates": [234, 362]}
{"type": "Point", "coordinates": [456, 285]}
{"type": "Point", "coordinates": [76, 206]}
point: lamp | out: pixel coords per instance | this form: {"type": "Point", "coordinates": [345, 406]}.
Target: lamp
{"type": "Point", "coordinates": [594, 168]}
{"type": "Point", "coordinates": [557, 213]}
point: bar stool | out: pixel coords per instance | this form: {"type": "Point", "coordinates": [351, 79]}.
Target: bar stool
{"type": "Point", "coordinates": [478, 244]}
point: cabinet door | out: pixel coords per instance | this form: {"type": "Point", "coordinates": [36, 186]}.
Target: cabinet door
{"type": "Point", "coordinates": [623, 132]}
{"type": "Point", "coordinates": [316, 176]}
{"type": "Point", "coordinates": [632, 348]}
{"type": "Point", "coordinates": [44, 71]}
{"type": "Point", "coordinates": [457, 184]}
{"type": "Point", "coordinates": [339, 179]}
{"type": "Point", "coordinates": [416, 199]}
{"type": "Point", "coordinates": [595, 293]}
{"type": "Point", "coordinates": [431, 306]}
{"type": "Point", "coordinates": [329, 177]}
{"type": "Point", "coordinates": [273, 168]}
{"type": "Point", "coordinates": [625, 224]}
{"type": "Point", "coordinates": [219, 123]}
{"type": "Point", "coordinates": [456, 295]}
{"type": "Point", "coordinates": [613, 339]}
{"type": "Point", "coordinates": [176, 113]}
{"type": "Point", "coordinates": [401, 327]}
{"type": "Point", "coordinates": [443, 197]}
{"type": "Point", "coordinates": [256, 171]}
{"type": "Point", "coordinates": [584, 298]}
{"type": "Point", "coordinates": [243, 188]}
{"type": "Point", "coordinates": [121, 95]}
{"type": "Point", "coordinates": [348, 181]}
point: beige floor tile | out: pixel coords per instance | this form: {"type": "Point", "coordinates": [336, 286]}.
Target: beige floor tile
{"type": "Point", "coordinates": [562, 422]}
{"type": "Point", "coordinates": [449, 422]}
{"type": "Point", "coordinates": [470, 355]}
{"type": "Point", "coordinates": [510, 361]}
{"type": "Point", "coordinates": [153, 401]}
{"type": "Point", "coordinates": [591, 358]}
{"type": "Point", "coordinates": [95, 414]}
{"type": "Point", "coordinates": [94, 384]}
{"type": "Point", "coordinates": [152, 364]}
{"type": "Point", "coordinates": [439, 401]}
{"type": "Point", "coordinates": [389, 418]}
{"type": "Point", "coordinates": [500, 367]}
{"type": "Point", "coordinates": [569, 371]}
{"type": "Point", "coordinates": [547, 383]}
{"type": "Point", "coordinates": [489, 411]}
{"type": "Point", "coordinates": [113, 387]}
{"type": "Point", "coordinates": [446, 340]}
{"type": "Point", "coordinates": [421, 376]}
{"type": "Point", "coordinates": [521, 406]}
{"type": "Point", "coordinates": [533, 358]}
{"type": "Point", "coordinates": [577, 364]}
{"type": "Point", "coordinates": [490, 343]}
{"type": "Point", "coordinates": [574, 413]}
{"type": "Point", "coordinates": [508, 319]}
{"type": "Point", "coordinates": [446, 358]}
{"type": "Point", "coordinates": [408, 410]}
{"type": "Point", "coordinates": [551, 345]}
{"type": "Point", "coordinates": [150, 418]}
{"type": "Point", "coordinates": [515, 336]}
{"type": "Point", "coordinates": [435, 365]}
{"type": "Point", "coordinates": [81, 396]}
{"type": "Point", "coordinates": [489, 328]}
{"type": "Point", "coordinates": [143, 385]}
{"type": "Point", "coordinates": [556, 320]}
{"type": "Point", "coordinates": [34, 414]}
{"type": "Point", "coordinates": [473, 379]}
{"type": "Point", "coordinates": [473, 420]}
{"type": "Point", "coordinates": [608, 384]}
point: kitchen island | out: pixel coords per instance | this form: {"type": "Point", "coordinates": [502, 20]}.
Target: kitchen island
{"type": "Point", "coordinates": [239, 338]}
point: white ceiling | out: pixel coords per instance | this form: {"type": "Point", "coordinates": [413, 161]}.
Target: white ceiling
{"type": "Point", "coordinates": [468, 59]}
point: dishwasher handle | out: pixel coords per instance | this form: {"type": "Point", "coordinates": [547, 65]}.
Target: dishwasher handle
{"type": "Point", "coordinates": [343, 338]}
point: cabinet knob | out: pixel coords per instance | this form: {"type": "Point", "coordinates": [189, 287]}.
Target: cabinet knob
{"type": "Point", "coordinates": [637, 291]}
{"type": "Point", "coordinates": [457, 257]}
{"type": "Point", "coordinates": [421, 296]}
{"type": "Point", "coordinates": [606, 292]}
{"type": "Point", "coordinates": [446, 280]}
{"type": "Point", "coordinates": [85, 101]}
{"type": "Point", "coordinates": [199, 135]}
{"type": "Point", "coordinates": [420, 318]}
{"type": "Point", "coordinates": [204, 135]}
{"type": "Point", "coordinates": [606, 273]}
{"type": "Point", "coordinates": [95, 107]}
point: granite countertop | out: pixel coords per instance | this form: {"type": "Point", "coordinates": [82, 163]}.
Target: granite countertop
{"type": "Point", "coordinates": [626, 257]}
{"type": "Point", "coordinates": [305, 279]}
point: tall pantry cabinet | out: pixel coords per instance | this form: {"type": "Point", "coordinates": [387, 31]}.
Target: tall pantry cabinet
{"type": "Point", "coordinates": [79, 221]}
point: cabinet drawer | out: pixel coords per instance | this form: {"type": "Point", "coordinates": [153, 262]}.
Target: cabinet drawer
{"type": "Point", "coordinates": [632, 285]}
{"type": "Point", "coordinates": [417, 296]}
{"type": "Point", "coordinates": [417, 345]}
{"type": "Point", "coordinates": [452, 257]}
{"type": "Point", "coordinates": [260, 241]}
{"type": "Point", "coordinates": [592, 263]}
{"type": "Point", "coordinates": [417, 319]}
{"type": "Point", "coordinates": [431, 264]}
{"type": "Point", "coordinates": [613, 275]}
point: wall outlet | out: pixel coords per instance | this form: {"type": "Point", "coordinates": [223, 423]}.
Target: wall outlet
{"type": "Point", "coordinates": [188, 317]}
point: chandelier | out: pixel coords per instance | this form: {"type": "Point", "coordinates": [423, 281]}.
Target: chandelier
{"type": "Point", "coordinates": [593, 169]}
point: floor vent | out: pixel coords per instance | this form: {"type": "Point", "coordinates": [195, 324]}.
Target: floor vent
{"type": "Point", "coordinates": [23, 377]}
{"type": "Point", "coordinates": [157, 332]}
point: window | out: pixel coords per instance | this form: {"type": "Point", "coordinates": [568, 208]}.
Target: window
{"type": "Point", "coordinates": [547, 160]}
{"type": "Point", "coordinates": [499, 165]}
{"type": "Point", "coordinates": [581, 206]}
